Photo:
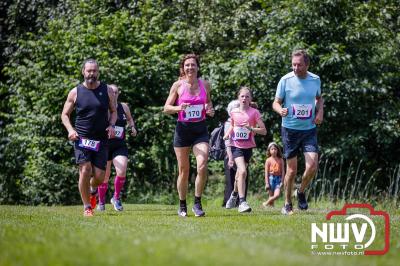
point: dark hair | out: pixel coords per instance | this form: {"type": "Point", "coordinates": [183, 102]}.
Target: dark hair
{"type": "Point", "coordinates": [244, 88]}
{"type": "Point", "coordinates": [279, 153]}
{"type": "Point", "coordinates": [302, 52]}
{"type": "Point", "coordinates": [182, 64]}
{"type": "Point", "coordinates": [91, 61]}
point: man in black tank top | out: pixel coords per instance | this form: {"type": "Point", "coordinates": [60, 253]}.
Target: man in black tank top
{"type": "Point", "coordinates": [93, 127]}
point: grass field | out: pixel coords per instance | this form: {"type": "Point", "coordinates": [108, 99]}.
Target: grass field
{"type": "Point", "coordinates": [155, 235]}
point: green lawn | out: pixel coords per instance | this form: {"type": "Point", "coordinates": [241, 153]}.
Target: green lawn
{"type": "Point", "coordinates": [155, 235]}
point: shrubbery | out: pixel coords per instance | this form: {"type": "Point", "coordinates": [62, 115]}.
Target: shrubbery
{"type": "Point", "coordinates": [354, 47]}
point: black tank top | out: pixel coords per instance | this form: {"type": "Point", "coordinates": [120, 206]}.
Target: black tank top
{"type": "Point", "coordinates": [121, 122]}
{"type": "Point", "coordinates": [92, 112]}
{"type": "Point", "coordinates": [121, 119]}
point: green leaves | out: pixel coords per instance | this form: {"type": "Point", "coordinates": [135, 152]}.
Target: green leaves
{"type": "Point", "coordinates": [353, 46]}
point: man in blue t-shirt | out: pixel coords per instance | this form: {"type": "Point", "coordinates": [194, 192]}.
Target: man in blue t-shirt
{"type": "Point", "coordinates": [299, 101]}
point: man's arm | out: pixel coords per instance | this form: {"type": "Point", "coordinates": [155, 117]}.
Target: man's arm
{"type": "Point", "coordinates": [277, 106]}
{"type": "Point", "coordinates": [129, 119]}
{"type": "Point", "coordinates": [66, 112]}
{"type": "Point", "coordinates": [319, 107]}
{"type": "Point", "coordinates": [112, 106]}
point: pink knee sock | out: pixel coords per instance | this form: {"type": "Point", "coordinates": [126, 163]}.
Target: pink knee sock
{"type": "Point", "coordinates": [102, 190]}
{"type": "Point", "coordinates": [118, 185]}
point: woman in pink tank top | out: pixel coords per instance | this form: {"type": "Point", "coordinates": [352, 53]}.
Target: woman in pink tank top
{"type": "Point", "coordinates": [245, 123]}
{"type": "Point", "coordinates": [190, 98]}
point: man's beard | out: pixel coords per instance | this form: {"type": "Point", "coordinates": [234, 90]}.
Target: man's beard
{"type": "Point", "coordinates": [91, 80]}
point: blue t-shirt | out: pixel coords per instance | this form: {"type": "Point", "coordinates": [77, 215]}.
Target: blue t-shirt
{"type": "Point", "coordinates": [298, 95]}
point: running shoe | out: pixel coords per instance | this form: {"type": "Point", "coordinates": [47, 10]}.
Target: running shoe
{"type": "Point", "coordinates": [302, 201]}
{"type": "Point", "coordinates": [287, 209]}
{"type": "Point", "coordinates": [117, 204]}
{"type": "Point", "coordinates": [101, 207]}
{"type": "Point", "coordinates": [198, 210]}
{"type": "Point", "coordinates": [231, 203]}
{"type": "Point", "coordinates": [182, 212]}
{"type": "Point", "coordinates": [93, 198]}
{"type": "Point", "coordinates": [88, 212]}
{"type": "Point", "coordinates": [93, 201]}
{"type": "Point", "coordinates": [244, 207]}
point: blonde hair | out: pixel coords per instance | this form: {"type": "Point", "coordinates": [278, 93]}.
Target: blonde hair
{"type": "Point", "coordinates": [244, 88]}
{"type": "Point", "coordinates": [232, 105]}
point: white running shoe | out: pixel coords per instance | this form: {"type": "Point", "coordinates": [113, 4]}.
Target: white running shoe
{"type": "Point", "coordinates": [101, 207]}
{"type": "Point", "coordinates": [244, 207]}
{"type": "Point", "coordinates": [182, 212]}
{"type": "Point", "coordinates": [231, 203]}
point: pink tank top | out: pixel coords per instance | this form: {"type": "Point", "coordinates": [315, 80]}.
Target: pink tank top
{"type": "Point", "coordinates": [197, 110]}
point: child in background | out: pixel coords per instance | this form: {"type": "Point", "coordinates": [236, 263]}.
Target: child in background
{"type": "Point", "coordinates": [274, 172]}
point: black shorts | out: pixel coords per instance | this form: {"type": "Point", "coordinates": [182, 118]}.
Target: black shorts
{"type": "Point", "coordinates": [295, 141]}
{"type": "Point", "coordinates": [188, 134]}
{"type": "Point", "coordinates": [238, 152]}
{"type": "Point", "coordinates": [97, 158]}
{"type": "Point", "coordinates": [117, 148]}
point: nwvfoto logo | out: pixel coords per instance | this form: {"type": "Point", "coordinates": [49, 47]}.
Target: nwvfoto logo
{"type": "Point", "coordinates": [337, 235]}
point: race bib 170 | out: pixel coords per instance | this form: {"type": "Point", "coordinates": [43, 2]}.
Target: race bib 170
{"type": "Point", "coordinates": [194, 111]}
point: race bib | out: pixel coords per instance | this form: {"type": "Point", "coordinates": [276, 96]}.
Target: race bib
{"type": "Point", "coordinates": [194, 111]}
{"type": "Point", "coordinates": [89, 144]}
{"type": "Point", "coordinates": [119, 132]}
{"type": "Point", "coordinates": [241, 133]}
{"type": "Point", "coordinates": [302, 111]}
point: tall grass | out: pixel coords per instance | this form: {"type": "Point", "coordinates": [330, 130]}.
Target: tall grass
{"type": "Point", "coordinates": [335, 184]}
{"type": "Point", "coordinates": [335, 181]}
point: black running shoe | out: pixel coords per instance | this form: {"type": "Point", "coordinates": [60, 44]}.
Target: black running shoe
{"type": "Point", "coordinates": [301, 200]}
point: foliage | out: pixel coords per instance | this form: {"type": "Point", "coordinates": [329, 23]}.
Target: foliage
{"type": "Point", "coordinates": [138, 44]}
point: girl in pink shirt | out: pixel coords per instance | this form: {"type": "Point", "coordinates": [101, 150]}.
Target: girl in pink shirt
{"type": "Point", "coordinates": [245, 123]}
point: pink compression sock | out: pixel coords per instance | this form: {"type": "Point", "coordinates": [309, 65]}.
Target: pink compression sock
{"type": "Point", "coordinates": [118, 185]}
{"type": "Point", "coordinates": [102, 190]}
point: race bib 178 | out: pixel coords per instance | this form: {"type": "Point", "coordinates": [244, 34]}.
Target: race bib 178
{"type": "Point", "coordinates": [89, 144]}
